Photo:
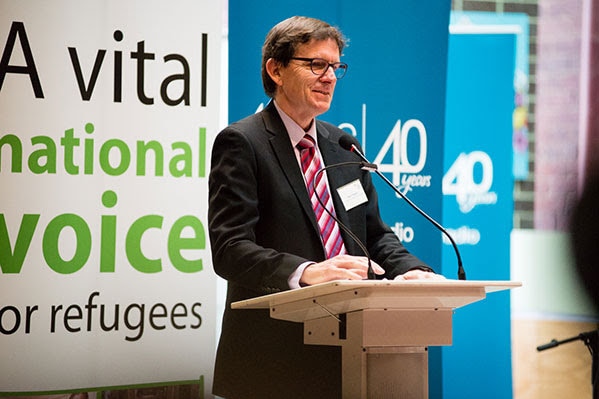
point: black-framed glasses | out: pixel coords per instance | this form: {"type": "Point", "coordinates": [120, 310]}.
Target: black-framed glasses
{"type": "Point", "coordinates": [320, 66]}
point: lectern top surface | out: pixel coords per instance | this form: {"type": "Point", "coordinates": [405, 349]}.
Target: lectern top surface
{"type": "Point", "coordinates": [416, 288]}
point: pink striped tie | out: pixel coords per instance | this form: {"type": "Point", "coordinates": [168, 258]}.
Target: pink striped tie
{"type": "Point", "coordinates": [329, 229]}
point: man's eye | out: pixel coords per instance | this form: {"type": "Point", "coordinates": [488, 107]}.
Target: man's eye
{"type": "Point", "coordinates": [319, 64]}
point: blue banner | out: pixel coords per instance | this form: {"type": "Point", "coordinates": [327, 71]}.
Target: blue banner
{"type": "Point", "coordinates": [478, 207]}
{"type": "Point", "coordinates": [516, 23]}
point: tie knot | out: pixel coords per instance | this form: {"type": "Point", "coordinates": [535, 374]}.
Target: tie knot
{"type": "Point", "coordinates": [306, 142]}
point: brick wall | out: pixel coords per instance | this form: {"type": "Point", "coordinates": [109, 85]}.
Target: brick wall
{"type": "Point", "coordinates": [543, 201]}
{"type": "Point", "coordinates": [557, 112]}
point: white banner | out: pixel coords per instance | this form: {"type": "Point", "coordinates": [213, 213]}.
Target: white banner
{"type": "Point", "coordinates": [107, 114]}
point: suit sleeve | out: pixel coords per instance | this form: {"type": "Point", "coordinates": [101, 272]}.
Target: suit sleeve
{"type": "Point", "coordinates": [234, 214]}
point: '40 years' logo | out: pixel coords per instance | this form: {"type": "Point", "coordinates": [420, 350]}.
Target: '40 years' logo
{"type": "Point", "coordinates": [404, 168]}
{"type": "Point", "coordinates": [404, 173]}
{"type": "Point", "coordinates": [469, 190]}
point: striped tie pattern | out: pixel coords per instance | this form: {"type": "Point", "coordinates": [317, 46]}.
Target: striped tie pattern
{"type": "Point", "coordinates": [317, 188]}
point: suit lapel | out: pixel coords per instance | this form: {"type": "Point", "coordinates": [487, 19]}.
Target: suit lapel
{"type": "Point", "coordinates": [281, 146]}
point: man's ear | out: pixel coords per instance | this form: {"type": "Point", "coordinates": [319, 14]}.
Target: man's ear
{"type": "Point", "coordinates": [273, 68]}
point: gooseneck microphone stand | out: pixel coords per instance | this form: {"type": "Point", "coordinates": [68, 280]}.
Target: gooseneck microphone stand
{"type": "Point", "coordinates": [591, 340]}
{"type": "Point", "coordinates": [346, 143]}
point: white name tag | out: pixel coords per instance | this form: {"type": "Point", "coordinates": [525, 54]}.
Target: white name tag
{"type": "Point", "coordinates": [352, 194]}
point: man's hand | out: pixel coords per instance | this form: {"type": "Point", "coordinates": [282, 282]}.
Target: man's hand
{"type": "Point", "coordinates": [417, 274]}
{"type": "Point", "coordinates": [341, 267]}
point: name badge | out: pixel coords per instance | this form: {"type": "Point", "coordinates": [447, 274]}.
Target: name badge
{"type": "Point", "coordinates": [352, 194]}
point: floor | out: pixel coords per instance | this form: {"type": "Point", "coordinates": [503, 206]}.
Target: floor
{"type": "Point", "coordinates": [557, 373]}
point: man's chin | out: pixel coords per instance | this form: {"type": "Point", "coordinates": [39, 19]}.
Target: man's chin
{"type": "Point", "coordinates": [323, 106]}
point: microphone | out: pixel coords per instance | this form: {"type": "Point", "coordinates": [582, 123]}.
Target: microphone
{"type": "Point", "coordinates": [587, 337]}
{"type": "Point", "coordinates": [365, 166]}
{"type": "Point", "coordinates": [346, 142]}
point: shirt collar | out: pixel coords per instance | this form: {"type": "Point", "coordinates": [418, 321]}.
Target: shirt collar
{"type": "Point", "coordinates": [295, 131]}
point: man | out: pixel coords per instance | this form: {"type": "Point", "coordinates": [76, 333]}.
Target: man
{"type": "Point", "coordinates": [265, 233]}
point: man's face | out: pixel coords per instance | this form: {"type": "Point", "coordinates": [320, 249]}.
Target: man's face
{"type": "Point", "coordinates": [302, 94]}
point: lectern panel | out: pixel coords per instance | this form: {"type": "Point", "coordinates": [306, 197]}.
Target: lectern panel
{"type": "Point", "coordinates": [383, 327]}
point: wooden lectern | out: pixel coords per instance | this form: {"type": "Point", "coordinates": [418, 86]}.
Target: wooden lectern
{"type": "Point", "coordinates": [384, 327]}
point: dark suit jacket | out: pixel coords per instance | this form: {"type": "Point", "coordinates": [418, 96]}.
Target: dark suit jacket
{"type": "Point", "coordinates": [262, 227]}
